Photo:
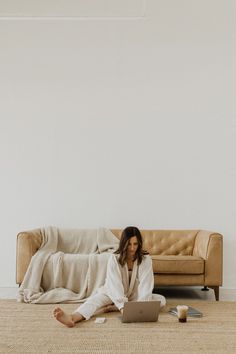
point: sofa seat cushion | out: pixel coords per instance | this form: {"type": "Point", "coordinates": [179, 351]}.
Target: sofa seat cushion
{"type": "Point", "coordinates": [178, 264]}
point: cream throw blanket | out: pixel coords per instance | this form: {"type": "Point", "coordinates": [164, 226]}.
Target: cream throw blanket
{"type": "Point", "coordinates": [69, 266]}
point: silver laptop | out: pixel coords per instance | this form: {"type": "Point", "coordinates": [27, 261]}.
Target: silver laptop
{"type": "Point", "coordinates": [141, 311]}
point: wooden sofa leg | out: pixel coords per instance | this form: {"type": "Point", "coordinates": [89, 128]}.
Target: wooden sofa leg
{"type": "Point", "coordinates": [216, 291]}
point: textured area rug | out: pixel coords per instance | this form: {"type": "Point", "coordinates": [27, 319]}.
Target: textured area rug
{"type": "Point", "coordinates": [27, 328]}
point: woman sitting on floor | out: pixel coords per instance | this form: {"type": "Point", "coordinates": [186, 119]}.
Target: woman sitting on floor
{"type": "Point", "coordinates": [129, 278]}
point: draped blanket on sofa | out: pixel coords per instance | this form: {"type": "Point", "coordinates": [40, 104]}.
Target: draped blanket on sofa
{"type": "Point", "coordinates": [69, 266]}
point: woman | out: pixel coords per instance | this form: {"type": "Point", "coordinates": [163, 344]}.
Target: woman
{"type": "Point", "coordinates": [129, 278]}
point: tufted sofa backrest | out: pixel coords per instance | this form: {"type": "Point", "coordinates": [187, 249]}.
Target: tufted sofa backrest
{"type": "Point", "coordinates": [167, 242]}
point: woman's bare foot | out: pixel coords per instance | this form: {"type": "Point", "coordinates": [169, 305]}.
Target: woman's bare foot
{"type": "Point", "coordinates": [110, 308]}
{"type": "Point", "coordinates": [63, 317]}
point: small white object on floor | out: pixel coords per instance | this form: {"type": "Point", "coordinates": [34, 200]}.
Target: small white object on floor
{"type": "Point", "coordinates": [100, 320]}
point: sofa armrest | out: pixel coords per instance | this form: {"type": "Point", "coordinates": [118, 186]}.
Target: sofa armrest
{"type": "Point", "coordinates": [209, 246]}
{"type": "Point", "coordinates": [28, 242]}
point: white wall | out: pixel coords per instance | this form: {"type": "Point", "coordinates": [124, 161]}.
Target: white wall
{"type": "Point", "coordinates": [111, 122]}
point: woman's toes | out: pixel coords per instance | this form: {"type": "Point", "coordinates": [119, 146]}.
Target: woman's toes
{"type": "Point", "coordinates": [57, 312]}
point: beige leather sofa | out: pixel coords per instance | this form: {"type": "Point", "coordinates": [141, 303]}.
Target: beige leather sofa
{"type": "Point", "coordinates": [180, 257]}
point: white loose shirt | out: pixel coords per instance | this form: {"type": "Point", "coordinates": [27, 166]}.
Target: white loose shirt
{"type": "Point", "coordinates": [118, 287]}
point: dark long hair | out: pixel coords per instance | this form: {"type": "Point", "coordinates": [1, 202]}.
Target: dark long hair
{"type": "Point", "coordinates": [127, 233]}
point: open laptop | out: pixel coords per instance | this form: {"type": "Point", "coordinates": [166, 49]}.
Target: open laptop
{"type": "Point", "coordinates": [141, 311]}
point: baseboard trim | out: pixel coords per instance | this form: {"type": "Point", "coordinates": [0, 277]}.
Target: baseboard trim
{"type": "Point", "coordinates": [11, 292]}
{"type": "Point", "coordinates": [8, 292]}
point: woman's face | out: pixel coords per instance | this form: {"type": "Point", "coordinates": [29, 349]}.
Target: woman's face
{"type": "Point", "coordinates": [132, 246]}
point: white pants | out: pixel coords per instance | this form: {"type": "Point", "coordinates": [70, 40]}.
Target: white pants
{"type": "Point", "coordinates": [97, 301]}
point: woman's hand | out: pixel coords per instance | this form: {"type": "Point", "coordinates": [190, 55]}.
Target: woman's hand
{"type": "Point", "coordinates": [121, 310]}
